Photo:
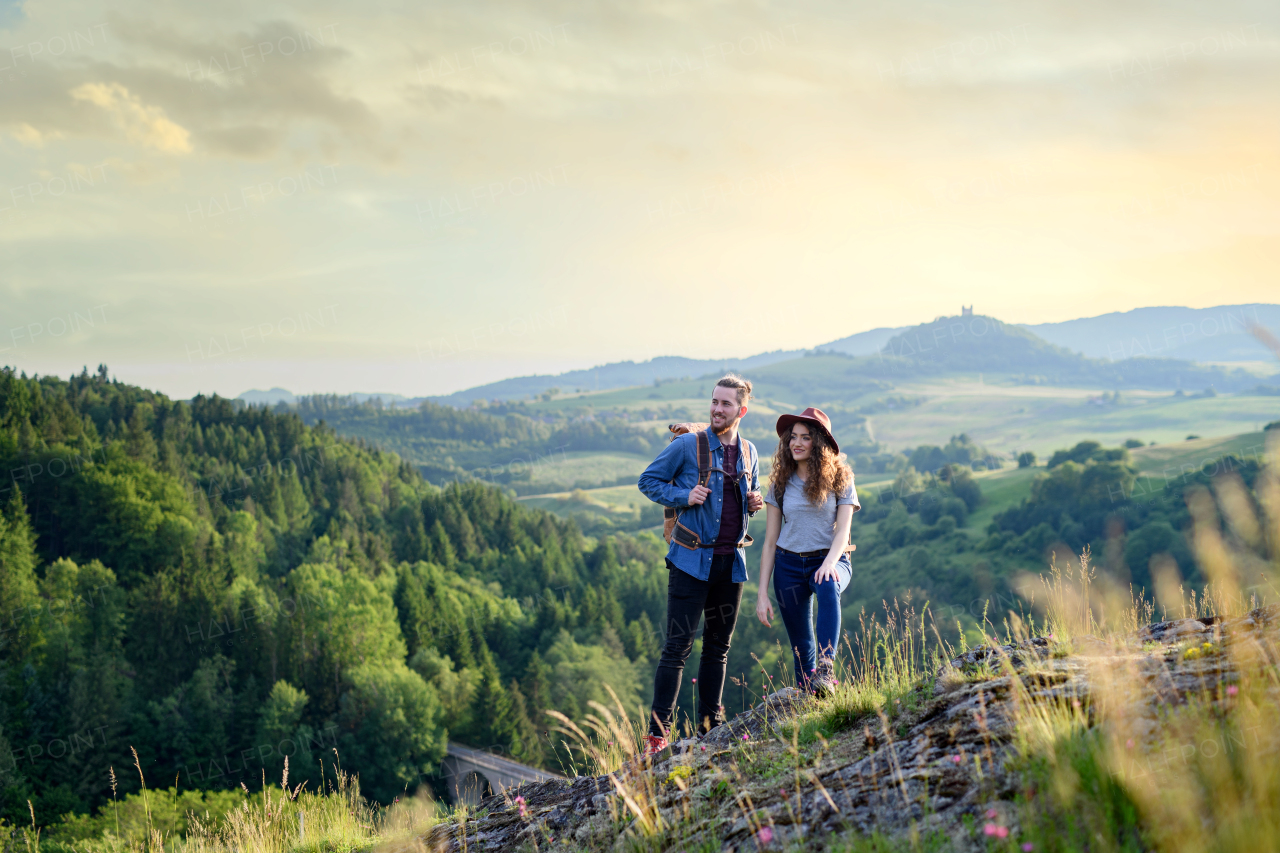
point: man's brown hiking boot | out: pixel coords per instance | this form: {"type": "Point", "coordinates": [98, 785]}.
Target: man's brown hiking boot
{"type": "Point", "coordinates": [822, 682]}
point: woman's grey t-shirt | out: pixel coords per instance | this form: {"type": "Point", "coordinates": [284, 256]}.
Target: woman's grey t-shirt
{"type": "Point", "coordinates": [808, 527]}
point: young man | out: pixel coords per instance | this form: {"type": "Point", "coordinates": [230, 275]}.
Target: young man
{"type": "Point", "coordinates": [706, 579]}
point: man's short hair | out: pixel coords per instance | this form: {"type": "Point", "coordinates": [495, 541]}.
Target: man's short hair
{"type": "Point", "coordinates": [737, 383]}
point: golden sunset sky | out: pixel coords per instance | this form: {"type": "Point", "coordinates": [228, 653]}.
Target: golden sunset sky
{"type": "Point", "coordinates": [418, 198]}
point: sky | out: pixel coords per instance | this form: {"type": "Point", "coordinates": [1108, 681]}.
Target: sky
{"type": "Point", "coordinates": [418, 198]}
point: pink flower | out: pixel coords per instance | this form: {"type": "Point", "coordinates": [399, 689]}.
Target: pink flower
{"type": "Point", "coordinates": [1028, 847]}
{"type": "Point", "coordinates": [989, 829]}
{"type": "Point", "coordinates": [955, 759]}
{"type": "Point", "coordinates": [784, 791]}
{"type": "Point", "coordinates": [524, 811]}
{"type": "Point", "coordinates": [991, 814]}
{"type": "Point", "coordinates": [1002, 832]}
{"type": "Point", "coordinates": [695, 681]}
{"type": "Point", "coordinates": [746, 736]}
{"type": "Point", "coordinates": [765, 835]}
{"type": "Point", "coordinates": [704, 749]}
{"type": "Point", "coordinates": [1232, 690]}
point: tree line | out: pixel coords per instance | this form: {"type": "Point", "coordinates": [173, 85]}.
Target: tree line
{"type": "Point", "coordinates": [220, 586]}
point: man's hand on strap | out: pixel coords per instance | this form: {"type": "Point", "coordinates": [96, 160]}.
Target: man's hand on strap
{"type": "Point", "coordinates": [698, 494]}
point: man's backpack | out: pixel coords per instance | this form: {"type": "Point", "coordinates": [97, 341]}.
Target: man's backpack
{"type": "Point", "coordinates": [670, 517]}
{"type": "Point", "coordinates": [672, 529]}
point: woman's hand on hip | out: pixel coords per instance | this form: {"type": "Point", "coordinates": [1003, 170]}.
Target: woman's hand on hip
{"type": "Point", "coordinates": [764, 610]}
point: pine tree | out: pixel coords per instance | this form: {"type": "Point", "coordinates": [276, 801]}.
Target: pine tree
{"type": "Point", "coordinates": [18, 589]}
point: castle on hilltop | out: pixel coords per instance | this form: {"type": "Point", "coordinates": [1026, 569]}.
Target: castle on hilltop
{"type": "Point", "coordinates": [966, 312]}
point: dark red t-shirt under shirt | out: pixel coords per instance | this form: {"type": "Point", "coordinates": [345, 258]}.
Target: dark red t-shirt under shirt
{"type": "Point", "coordinates": [731, 511]}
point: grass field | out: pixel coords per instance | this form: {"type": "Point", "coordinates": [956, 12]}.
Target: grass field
{"type": "Point", "coordinates": [1181, 455]}
{"type": "Point", "coordinates": [558, 472]}
{"type": "Point", "coordinates": [1010, 419]}
{"type": "Point", "coordinates": [1000, 490]}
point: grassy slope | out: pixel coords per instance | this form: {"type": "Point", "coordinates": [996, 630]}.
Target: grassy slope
{"type": "Point", "coordinates": [558, 472]}
{"type": "Point", "coordinates": [1177, 456]}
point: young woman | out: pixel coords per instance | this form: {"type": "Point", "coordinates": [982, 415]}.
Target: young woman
{"type": "Point", "coordinates": [811, 503]}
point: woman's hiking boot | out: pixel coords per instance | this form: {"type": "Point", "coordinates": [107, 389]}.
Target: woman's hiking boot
{"type": "Point", "coordinates": [822, 681]}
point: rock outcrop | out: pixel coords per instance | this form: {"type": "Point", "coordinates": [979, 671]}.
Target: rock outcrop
{"type": "Point", "coordinates": [944, 752]}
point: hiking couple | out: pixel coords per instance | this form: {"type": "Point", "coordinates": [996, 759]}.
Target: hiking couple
{"type": "Point", "coordinates": [709, 481]}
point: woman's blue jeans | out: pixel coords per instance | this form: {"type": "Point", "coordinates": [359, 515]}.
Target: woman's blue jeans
{"type": "Point", "coordinates": [795, 589]}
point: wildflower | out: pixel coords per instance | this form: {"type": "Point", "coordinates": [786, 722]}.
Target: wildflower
{"type": "Point", "coordinates": [746, 735]}
{"type": "Point", "coordinates": [989, 829]}
{"type": "Point", "coordinates": [784, 791]}
{"type": "Point", "coordinates": [524, 810]}
{"type": "Point", "coordinates": [1128, 744]}
{"type": "Point", "coordinates": [991, 814]}
{"type": "Point", "coordinates": [1028, 847]}
{"type": "Point", "coordinates": [955, 759]}
{"type": "Point", "coordinates": [1002, 832]}
{"type": "Point", "coordinates": [765, 834]}
{"type": "Point", "coordinates": [1232, 690]}
{"type": "Point", "coordinates": [1075, 703]}
{"type": "Point", "coordinates": [695, 681]}
{"type": "Point", "coordinates": [704, 748]}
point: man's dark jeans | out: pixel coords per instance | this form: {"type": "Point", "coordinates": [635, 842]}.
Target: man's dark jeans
{"type": "Point", "coordinates": [689, 599]}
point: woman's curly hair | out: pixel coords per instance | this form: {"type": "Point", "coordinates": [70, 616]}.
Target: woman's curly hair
{"type": "Point", "coordinates": [829, 472]}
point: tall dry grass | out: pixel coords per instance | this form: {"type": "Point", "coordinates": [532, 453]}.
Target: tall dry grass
{"type": "Point", "coordinates": [277, 819]}
{"type": "Point", "coordinates": [1172, 749]}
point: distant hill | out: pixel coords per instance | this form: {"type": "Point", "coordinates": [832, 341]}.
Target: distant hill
{"type": "Point", "coordinates": [268, 398]}
{"type": "Point", "coordinates": [1156, 346]}
{"type": "Point", "coordinates": [977, 342]}
{"type": "Point", "coordinates": [622, 374]}
{"type": "Point", "coordinates": [980, 343]}
{"type": "Point", "coordinates": [864, 343]}
{"type": "Point", "coordinates": [1192, 334]}
{"type": "Point", "coordinates": [1218, 334]}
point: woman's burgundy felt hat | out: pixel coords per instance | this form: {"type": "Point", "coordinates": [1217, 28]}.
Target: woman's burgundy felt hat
{"type": "Point", "coordinates": [813, 417]}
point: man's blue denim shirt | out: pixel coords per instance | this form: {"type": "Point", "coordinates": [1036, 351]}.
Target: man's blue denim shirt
{"type": "Point", "coordinates": [670, 478]}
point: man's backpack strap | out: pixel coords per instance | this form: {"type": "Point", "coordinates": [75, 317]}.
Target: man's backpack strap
{"type": "Point", "coordinates": [672, 529]}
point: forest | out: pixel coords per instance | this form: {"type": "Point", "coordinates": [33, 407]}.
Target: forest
{"type": "Point", "coordinates": [219, 587]}
{"type": "Point", "coordinates": [447, 443]}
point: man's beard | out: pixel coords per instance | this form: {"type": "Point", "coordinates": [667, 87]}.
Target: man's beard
{"type": "Point", "coordinates": [728, 426]}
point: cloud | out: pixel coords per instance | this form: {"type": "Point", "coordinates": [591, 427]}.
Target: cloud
{"type": "Point", "coordinates": [32, 138]}
{"type": "Point", "coordinates": [142, 124]}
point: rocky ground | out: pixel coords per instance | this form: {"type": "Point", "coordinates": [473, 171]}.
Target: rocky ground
{"type": "Point", "coordinates": [939, 762]}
